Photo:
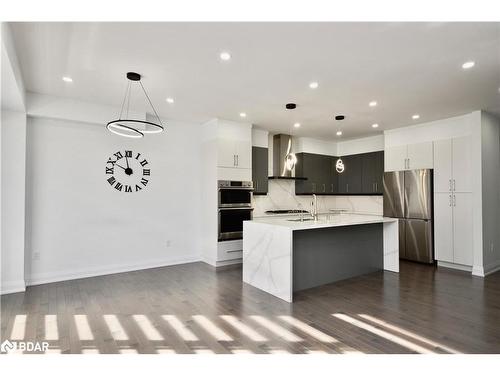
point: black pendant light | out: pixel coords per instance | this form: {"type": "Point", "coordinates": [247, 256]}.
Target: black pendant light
{"type": "Point", "coordinates": [132, 128]}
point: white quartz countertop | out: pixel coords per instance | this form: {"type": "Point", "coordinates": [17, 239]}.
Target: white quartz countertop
{"type": "Point", "coordinates": [324, 220]}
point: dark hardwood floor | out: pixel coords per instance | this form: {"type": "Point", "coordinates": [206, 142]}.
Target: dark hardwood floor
{"type": "Point", "coordinates": [193, 309]}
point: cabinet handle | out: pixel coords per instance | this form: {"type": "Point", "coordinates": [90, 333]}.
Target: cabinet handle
{"type": "Point", "coordinates": [257, 184]}
{"type": "Point", "coordinates": [237, 160]}
{"type": "Point", "coordinates": [347, 187]}
{"type": "Point", "coordinates": [234, 160]}
{"type": "Point", "coordinates": [324, 188]}
{"type": "Point", "coordinates": [454, 200]}
{"type": "Point", "coordinates": [376, 186]}
{"type": "Point", "coordinates": [408, 163]}
{"type": "Point", "coordinates": [332, 188]}
{"type": "Point", "coordinates": [449, 184]}
{"type": "Point", "coordinates": [450, 201]}
{"type": "Point", "coordinates": [454, 188]}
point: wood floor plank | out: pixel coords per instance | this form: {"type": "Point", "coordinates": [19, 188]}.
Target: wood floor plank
{"type": "Point", "coordinates": [192, 308]}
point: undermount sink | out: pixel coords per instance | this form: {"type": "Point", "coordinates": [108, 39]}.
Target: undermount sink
{"type": "Point", "coordinates": [306, 219]}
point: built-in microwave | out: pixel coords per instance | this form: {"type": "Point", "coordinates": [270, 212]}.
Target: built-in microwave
{"type": "Point", "coordinates": [235, 193]}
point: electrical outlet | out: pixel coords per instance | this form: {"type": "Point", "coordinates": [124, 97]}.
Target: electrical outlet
{"type": "Point", "coordinates": [168, 243]}
{"type": "Point", "coordinates": [36, 255]}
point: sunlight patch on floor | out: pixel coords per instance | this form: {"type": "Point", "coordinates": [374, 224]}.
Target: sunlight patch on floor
{"type": "Point", "coordinates": [18, 328]}
{"type": "Point", "coordinates": [407, 333]}
{"type": "Point", "coordinates": [241, 351]}
{"type": "Point", "coordinates": [128, 351]}
{"type": "Point", "coordinates": [179, 327]}
{"type": "Point", "coordinates": [243, 328]}
{"type": "Point", "coordinates": [211, 328]}
{"type": "Point", "coordinates": [386, 335]}
{"type": "Point", "coordinates": [147, 327]}
{"type": "Point", "coordinates": [51, 331]}
{"type": "Point", "coordinates": [90, 351]}
{"type": "Point", "coordinates": [115, 327]}
{"type": "Point", "coordinates": [83, 327]}
{"type": "Point", "coordinates": [311, 331]}
{"type": "Point", "coordinates": [276, 329]}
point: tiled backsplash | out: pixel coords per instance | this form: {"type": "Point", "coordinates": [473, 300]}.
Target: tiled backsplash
{"type": "Point", "coordinates": [281, 195]}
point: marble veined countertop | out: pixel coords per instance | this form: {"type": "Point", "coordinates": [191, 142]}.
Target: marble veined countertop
{"type": "Point", "coordinates": [324, 220]}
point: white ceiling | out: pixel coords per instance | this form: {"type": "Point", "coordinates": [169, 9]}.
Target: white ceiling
{"type": "Point", "coordinates": [406, 67]}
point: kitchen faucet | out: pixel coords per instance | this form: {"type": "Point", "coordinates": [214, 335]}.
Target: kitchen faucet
{"type": "Point", "coordinates": [314, 203]}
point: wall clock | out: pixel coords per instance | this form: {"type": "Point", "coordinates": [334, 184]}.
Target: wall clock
{"type": "Point", "coordinates": [127, 171]}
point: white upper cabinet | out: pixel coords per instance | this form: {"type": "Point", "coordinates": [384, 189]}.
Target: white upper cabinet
{"type": "Point", "coordinates": [412, 156]}
{"type": "Point", "coordinates": [442, 166]}
{"type": "Point", "coordinates": [234, 153]}
{"type": "Point", "coordinates": [395, 158]}
{"type": "Point", "coordinates": [234, 145]}
{"type": "Point", "coordinates": [420, 156]}
{"type": "Point", "coordinates": [462, 165]}
{"type": "Point", "coordinates": [452, 165]}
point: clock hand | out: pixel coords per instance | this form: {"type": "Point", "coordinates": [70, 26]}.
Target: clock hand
{"type": "Point", "coordinates": [118, 165]}
{"type": "Point", "coordinates": [126, 159]}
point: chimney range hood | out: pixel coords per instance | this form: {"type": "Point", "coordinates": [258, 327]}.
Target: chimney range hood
{"type": "Point", "coordinates": [283, 158]}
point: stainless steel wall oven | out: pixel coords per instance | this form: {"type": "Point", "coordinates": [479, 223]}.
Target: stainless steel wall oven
{"type": "Point", "coordinates": [235, 206]}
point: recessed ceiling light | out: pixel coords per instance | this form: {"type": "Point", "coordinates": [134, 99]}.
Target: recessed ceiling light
{"type": "Point", "coordinates": [243, 114]}
{"type": "Point", "coordinates": [225, 56]}
{"type": "Point", "coordinates": [372, 103]}
{"type": "Point", "coordinates": [339, 133]}
{"type": "Point", "coordinates": [374, 125]}
{"type": "Point", "coordinates": [67, 79]}
{"type": "Point", "coordinates": [170, 100]}
{"type": "Point", "coordinates": [468, 64]}
{"type": "Point", "coordinates": [313, 85]}
{"type": "Point", "coordinates": [297, 124]}
{"type": "Point", "coordinates": [415, 117]}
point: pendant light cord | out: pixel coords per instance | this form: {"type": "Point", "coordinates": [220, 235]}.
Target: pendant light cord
{"type": "Point", "coordinates": [151, 104]}
{"type": "Point", "coordinates": [124, 99]}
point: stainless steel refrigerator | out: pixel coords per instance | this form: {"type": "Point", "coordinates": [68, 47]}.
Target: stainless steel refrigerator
{"type": "Point", "coordinates": [408, 196]}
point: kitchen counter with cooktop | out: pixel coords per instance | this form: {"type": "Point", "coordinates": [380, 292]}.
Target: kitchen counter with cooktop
{"type": "Point", "coordinates": [283, 254]}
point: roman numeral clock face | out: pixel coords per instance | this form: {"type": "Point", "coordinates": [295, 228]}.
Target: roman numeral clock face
{"type": "Point", "coordinates": [127, 171]}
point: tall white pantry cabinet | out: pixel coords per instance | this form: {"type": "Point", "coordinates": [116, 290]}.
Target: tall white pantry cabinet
{"type": "Point", "coordinates": [453, 201]}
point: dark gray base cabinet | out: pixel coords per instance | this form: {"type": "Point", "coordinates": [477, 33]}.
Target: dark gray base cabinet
{"type": "Point", "coordinates": [362, 174]}
{"type": "Point", "coordinates": [260, 170]}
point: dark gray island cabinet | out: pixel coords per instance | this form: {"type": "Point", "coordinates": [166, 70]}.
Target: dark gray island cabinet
{"type": "Point", "coordinates": [282, 255]}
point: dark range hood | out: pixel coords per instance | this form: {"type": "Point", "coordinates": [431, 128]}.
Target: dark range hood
{"type": "Point", "coordinates": [281, 146]}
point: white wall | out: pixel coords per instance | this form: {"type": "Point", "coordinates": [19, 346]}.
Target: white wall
{"type": "Point", "coordinates": [78, 225]}
{"type": "Point", "coordinates": [490, 154]}
{"type": "Point", "coordinates": [13, 151]}
{"type": "Point", "coordinates": [432, 131]}
{"type": "Point", "coordinates": [361, 145]}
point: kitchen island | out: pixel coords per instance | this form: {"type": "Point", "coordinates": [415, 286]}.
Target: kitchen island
{"type": "Point", "coordinates": [283, 254]}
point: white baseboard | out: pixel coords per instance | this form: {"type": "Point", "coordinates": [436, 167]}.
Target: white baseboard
{"type": "Point", "coordinates": [455, 266]}
{"type": "Point", "coordinates": [12, 287]}
{"type": "Point", "coordinates": [478, 271]}
{"type": "Point", "coordinates": [46, 278]}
